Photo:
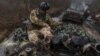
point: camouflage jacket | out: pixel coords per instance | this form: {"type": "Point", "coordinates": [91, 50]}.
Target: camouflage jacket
{"type": "Point", "coordinates": [48, 21]}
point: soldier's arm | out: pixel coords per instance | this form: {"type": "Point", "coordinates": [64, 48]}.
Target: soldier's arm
{"type": "Point", "coordinates": [35, 20]}
{"type": "Point", "coordinates": [51, 22]}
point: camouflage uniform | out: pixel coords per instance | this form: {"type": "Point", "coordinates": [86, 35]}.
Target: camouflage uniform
{"type": "Point", "coordinates": [39, 24]}
{"type": "Point", "coordinates": [37, 21]}
{"type": "Point", "coordinates": [42, 23]}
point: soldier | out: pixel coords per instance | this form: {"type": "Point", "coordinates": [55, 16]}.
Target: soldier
{"type": "Point", "coordinates": [39, 17]}
{"type": "Point", "coordinates": [42, 22]}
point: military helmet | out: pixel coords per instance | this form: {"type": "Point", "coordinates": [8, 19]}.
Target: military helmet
{"type": "Point", "coordinates": [44, 6]}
